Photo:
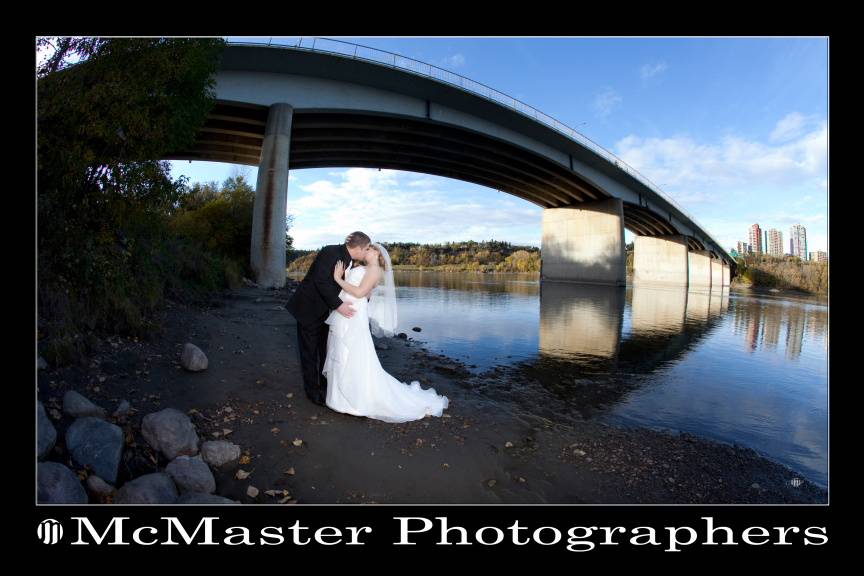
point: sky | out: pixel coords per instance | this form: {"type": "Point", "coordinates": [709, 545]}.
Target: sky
{"type": "Point", "coordinates": [734, 129]}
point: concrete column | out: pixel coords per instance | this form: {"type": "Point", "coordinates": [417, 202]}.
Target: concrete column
{"type": "Point", "coordinates": [726, 274]}
{"type": "Point", "coordinates": [661, 260]}
{"type": "Point", "coordinates": [716, 273]}
{"type": "Point", "coordinates": [585, 243]}
{"type": "Point", "coordinates": [699, 270]}
{"type": "Point", "coordinates": [580, 320]}
{"type": "Point", "coordinates": [267, 257]}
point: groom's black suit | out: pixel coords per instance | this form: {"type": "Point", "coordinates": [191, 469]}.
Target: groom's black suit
{"type": "Point", "coordinates": [311, 304]}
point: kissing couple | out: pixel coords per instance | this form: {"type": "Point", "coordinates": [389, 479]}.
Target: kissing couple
{"type": "Point", "coordinates": [338, 306]}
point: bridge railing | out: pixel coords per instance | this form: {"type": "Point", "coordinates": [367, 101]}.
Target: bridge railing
{"type": "Point", "coordinates": [383, 57]}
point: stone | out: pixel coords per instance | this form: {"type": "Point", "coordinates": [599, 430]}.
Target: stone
{"type": "Point", "coordinates": [171, 432]}
{"type": "Point", "coordinates": [191, 474]}
{"type": "Point", "coordinates": [42, 364]}
{"type": "Point", "coordinates": [96, 443]}
{"type": "Point", "coordinates": [98, 487]}
{"type": "Point", "coordinates": [123, 409]}
{"type": "Point", "coordinates": [193, 358]}
{"type": "Point", "coordinates": [219, 452]}
{"type": "Point", "coordinates": [155, 488]}
{"type": "Point", "coordinates": [77, 406]}
{"type": "Point", "coordinates": [416, 329]}
{"type": "Point", "coordinates": [199, 498]}
{"type": "Point", "coordinates": [57, 484]}
{"type": "Point", "coordinates": [47, 434]}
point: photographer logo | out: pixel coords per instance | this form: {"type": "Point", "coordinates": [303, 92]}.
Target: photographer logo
{"type": "Point", "coordinates": [50, 531]}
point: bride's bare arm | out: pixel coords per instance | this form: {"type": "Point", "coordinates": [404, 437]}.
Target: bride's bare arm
{"type": "Point", "coordinates": [370, 280]}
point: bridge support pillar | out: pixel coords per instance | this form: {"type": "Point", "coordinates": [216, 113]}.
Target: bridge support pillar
{"type": "Point", "coordinates": [585, 243]}
{"type": "Point", "coordinates": [699, 270]}
{"type": "Point", "coordinates": [661, 260]}
{"type": "Point", "coordinates": [267, 258]}
{"type": "Point", "coordinates": [726, 274]}
{"type": "Point", "coordinates": [717, 273]}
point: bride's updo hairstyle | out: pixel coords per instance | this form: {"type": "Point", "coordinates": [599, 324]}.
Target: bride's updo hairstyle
{"type": "Point", "coordinates": [381, 262]}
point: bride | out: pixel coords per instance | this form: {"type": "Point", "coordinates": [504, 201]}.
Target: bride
{"type": "Point", "coordinates": [356, 382]}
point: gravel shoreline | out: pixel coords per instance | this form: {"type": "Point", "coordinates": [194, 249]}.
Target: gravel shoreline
{"type": "Point", "coordinates": [486, 449]}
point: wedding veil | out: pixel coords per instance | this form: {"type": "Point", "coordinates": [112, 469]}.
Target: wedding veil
{"type": "Point", "coordinates": [382, 305]}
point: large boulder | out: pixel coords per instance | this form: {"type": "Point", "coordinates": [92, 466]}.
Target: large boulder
{"type": "Point", "coordinates": [193, 358]}
{"type": "Point", "coordinates": [96, 443]}
{"type": "Point", "coordinates": [57, 484]}
{"type": "Point", "coordinates": [156, 488]}
{"type": "Point", "coordinates": [191, 474]}
{"type": "Point", "coordinates": [77, 406]}
{"type": "Point", "coordinates": [219, 452]}
{"type": "Point", "coordinates": [47, 434]}
{"type": "Point", "coordinates": [171, 432]}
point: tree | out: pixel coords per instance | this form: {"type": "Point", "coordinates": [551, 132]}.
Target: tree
{"type": "Point", "coordinates": [103, 195]}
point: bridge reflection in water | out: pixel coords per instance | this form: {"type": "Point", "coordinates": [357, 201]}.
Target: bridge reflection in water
{"type": "Point", "coordinates": [588, 322]}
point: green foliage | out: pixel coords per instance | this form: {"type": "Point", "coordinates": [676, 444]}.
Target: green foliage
{"type": "Point", "coordinates": [106, 254]}
{"type": "Point", "coordinates": [784, 273]}
{"type": "Point", "coordinates": [491, 256]}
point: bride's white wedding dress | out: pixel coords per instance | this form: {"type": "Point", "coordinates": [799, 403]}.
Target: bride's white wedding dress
{"type": "Point", "coordinates": [356, 382]}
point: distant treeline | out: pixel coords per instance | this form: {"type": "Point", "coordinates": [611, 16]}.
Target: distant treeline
{"type": "Point", "coordinates": [470, 256]}
{"type": "Point", "coordinates": [784, 273]}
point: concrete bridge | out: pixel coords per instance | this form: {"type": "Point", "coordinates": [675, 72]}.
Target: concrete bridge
{"type": "Point", "coordinates": [343, 105]}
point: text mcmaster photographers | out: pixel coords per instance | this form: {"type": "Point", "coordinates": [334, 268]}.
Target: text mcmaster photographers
{"type": "Point", "coordinates": [409, 531]}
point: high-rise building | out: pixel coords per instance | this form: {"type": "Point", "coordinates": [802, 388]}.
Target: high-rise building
{"type": "Point", "coordinates": [798, 241]}
{"type": "Point", "coordinates": [818, 256]}
{"type": "Point", "coordinates": [775, 242]}
{"type": "Point", "coordinates": [756, 239]}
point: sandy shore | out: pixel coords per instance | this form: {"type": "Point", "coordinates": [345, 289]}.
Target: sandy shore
{"type": "Point", "coordinates": [483, 450]}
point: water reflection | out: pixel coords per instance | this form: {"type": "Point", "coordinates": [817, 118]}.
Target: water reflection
{"type": "Point", "coordinates": [731, 367]}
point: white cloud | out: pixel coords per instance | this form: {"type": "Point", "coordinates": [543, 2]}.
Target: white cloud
{"type": "Point", "coordinates": [793, 126]}
{"type": "Point", "coordinates": [729, 164]}
{"type": "Point", "coordinates": [605, 102]}
{"type": "Point", "coordinates": [386, 206]}
{"type": "Point", "coordinates": [651, 70]}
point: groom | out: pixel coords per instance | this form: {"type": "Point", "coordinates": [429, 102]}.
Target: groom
{"type": "Point", "coordinates": [311, 304]}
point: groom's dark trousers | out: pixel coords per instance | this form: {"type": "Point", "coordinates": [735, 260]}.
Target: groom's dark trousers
{"type": "Point", "coordinates": [311, 304]}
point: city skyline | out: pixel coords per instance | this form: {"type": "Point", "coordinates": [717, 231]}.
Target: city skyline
{"type": "Point", "coordinates": [754, 151]}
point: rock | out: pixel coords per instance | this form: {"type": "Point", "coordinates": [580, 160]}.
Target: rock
{"type": "Point", "coordinates": [98, 444]}
{"type": "Point", "coordinates": [77, 406]}
{"type": "Point", "coordinates": [219, 452]}
{"type": "Point", "coordinates": [193, 358]}
{"type": "Point", "coordinates": [199, 498]}
{"type": "Point", "coordinates": [252, 492]}
{"type": "Point", "coordinates": [755, 486]}
{"type": "Point", "coordinates": [382, 346]}
{"type": "Point", "coordinates": [47, 433]}
{"type": "Point", "coordinates": [416, 329]}
{"type": "Point", "coordinates": [191, 474]}
{"type": "Point", "coordinates": [98, 487]}
{"type": "Point", "coordinates": [249, 283]}
{"type": "Point", "coordinates": [122, 409]}
{"type": "Point", "coordinates": [403, 336]}
{"type": "Point", "coordinates": [171, 432]}
{"type": "Point", "coordinates": [42, 364]}
{"type": "Point", "coordinates": [156, 488]}
{"type": "Point", "coordinates": [57, 484]}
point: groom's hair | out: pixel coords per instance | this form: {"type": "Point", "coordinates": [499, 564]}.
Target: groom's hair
{"type": "Point", "coordinates": [357, 239]}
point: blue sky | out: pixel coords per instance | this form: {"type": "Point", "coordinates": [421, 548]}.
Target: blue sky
{"type": "Point", "coordinates": [734, 129]}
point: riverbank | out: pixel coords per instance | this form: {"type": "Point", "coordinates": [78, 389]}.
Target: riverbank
{"type": "Point", "coordinates": [484, 450]}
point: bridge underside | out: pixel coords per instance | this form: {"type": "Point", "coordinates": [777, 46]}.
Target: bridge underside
{"type": "Point", "coordinates": [235, 133]}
